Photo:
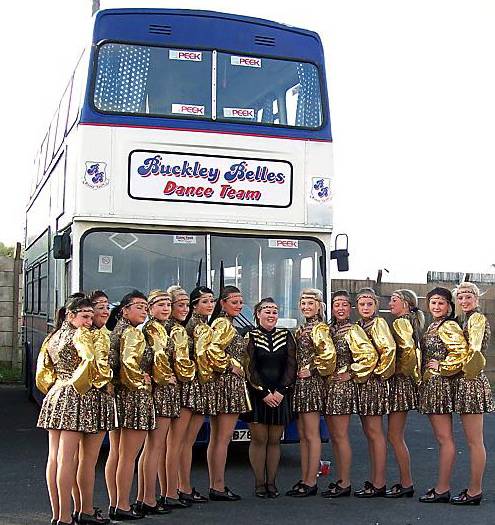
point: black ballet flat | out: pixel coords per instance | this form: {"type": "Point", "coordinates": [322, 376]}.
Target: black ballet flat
{"type": "Point", "coordinates": [260, 491]}
{"type": "Point", "coordinates": [127, 515]}
{"type": "Point", "coordinates": [305, 490]}
{"type": "Point", "coordinates": [193, 497]}
{"type": "Point", "coordinates": [370, 491]}
{"type": "Point", "coordinates": [93, 519]}
{"type": "Point", "coordinates": [432, 496]}
{"type": "Point", "coordinates": [465, 499]}
{"type": "Point", "coordinates": [111, 513]}
{"type": "Point", "coordinates": [294, 488]}
{"type": "Point", "coordinates": [75, 516]}
{"type": "Point", "coordinates": [398, 491]}
{"type": "Point", "coordinates": [148, 510]}
{"type": "Point", "coordinates": [272, 491]}
{"type": "Point", "coordinates": [226, 495]}
{"type": "Point", "coordinates": [335, 490]}
{"type": "Point", "coordinates": [176, 503]}
{"type": "Point", "coordinates": [53, 522]}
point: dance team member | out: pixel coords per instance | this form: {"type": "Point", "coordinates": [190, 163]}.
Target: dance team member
{"type": "Point", "coordinates": [403, 396]}
{"type": "Point", "coordinates": [271, 371]}
{"type": "Point", "coordinates": [340, 394]}
{"type": "Point", "coordinates": [316, 358]}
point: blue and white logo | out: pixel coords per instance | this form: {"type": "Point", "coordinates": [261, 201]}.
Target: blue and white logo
{"type": "Point", "coordinates": [95, 175]}
{"type": "Point", "coordinates": [320, 189]}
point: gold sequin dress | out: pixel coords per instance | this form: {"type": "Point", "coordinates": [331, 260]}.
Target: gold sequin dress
{"type": "Point", "coordinates": [166, 394]}
{"type": "Point", "coordinates": [340, 397]}
{"type": "Point", "coordinates": [472, 392]}
{"type": "Point", "coordinates": [443, 341]}
{"type": "Point", "coordinates": [227, 348]}
{"type": "Point", "coordinates": [373, 393]}
{"type": "Point", "coordinates": [315, 352]}
{"type": "Point", "coordinates": [202, 397]}
{"type": "Point", "coordinates": [65, 372]}
{"type": "Point", "coordinates": [114, 362]}
{"type": "Point", "coordinates": [136, 397]}
{"type": "Point", "coordinates": [403, 394]}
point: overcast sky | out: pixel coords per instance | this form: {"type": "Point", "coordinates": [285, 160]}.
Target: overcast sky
{"type": "Point", "coordinates": [412, 87]}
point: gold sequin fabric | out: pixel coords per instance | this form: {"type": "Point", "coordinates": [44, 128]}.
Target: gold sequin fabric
{"type": "Point", "coordinates": [308, 392]}
{"type": "Point", "coordinates": [373, 394]}
{"type": "Point", "coordinates": [436, 394]}
{"type": "Point", "coordinates": [340, 397]}
{"type": "Point", "coordinates": [114, 361]}
{"type": "Point", "coordinates": [63, 407]}
{"type": "Point", "coordinates": [473, 396]}
{"type": "Point", "coordinates": [231, 395]}
{"type": "Point", "coordinates": [138, 411]}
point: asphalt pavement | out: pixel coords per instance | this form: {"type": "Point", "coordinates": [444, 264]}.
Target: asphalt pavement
{"type": "Point", "coordinates": [24, 499]}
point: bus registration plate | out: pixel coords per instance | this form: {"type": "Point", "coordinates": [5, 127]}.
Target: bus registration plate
{"type": "Point", "coordinates": [242, 434]}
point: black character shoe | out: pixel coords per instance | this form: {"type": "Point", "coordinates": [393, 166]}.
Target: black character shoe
{"type": "Point", "coordinates": [260, 491]}
{"type": "Point", "coordinates": [305, 490]}
{"type": "Point", "coordinates": [127, 515]}
{"type": "Point", "coordinates": [193, 497]}
{"type": "Point", "coordinates": [53, 522]}
{"type": "Point", "coordinates": [75, 516]}
{"type": "Point", "coordinates": [294, 488]}
{"type": "Point", "coordinates": [272, 491]}
{"type": "Point", "coordinates": [370, 491]}
{"type": "Point", "coordinates": [432, 496]}
{"type": "Point", "coordinates": [148, 510]}
{"type": "Point", "coordinates": [95, 518]}
{"type": "Point", "coordinates": [111, 513]}
{"type": "Point", "coordinates": [335, 490]}
{"type": "Point", "coordinates": [176, 503]}
{"type": "Point", "coordinates": [398, 491]}
{"type": "Point", "coordinates": [465, 499]}
{"type": "Point", "coordinates": [226, 495]}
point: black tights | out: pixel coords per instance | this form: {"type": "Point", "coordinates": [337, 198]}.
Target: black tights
{"type": "Point", "coordinates": [264, 452]}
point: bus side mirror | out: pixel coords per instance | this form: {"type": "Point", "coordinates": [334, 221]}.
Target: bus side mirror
{"type": "Point", "coordinates": [341, 254]}
{"type": "Point", "coordinates": [62, 246]}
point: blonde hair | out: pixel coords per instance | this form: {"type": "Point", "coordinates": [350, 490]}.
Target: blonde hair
{"type": "Point", "coordinates": [177, 293]}
{"type": "Point", "coordinates": [315, 295]}
{"type": "Point", "coordinates": [418, 317]}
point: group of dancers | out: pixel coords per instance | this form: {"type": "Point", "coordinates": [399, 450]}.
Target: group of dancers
{"type": "Point", "coordinates": [152, 369]}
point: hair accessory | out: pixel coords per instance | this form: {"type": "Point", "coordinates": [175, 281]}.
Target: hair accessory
{"type": "Point", "coordinates": [158, 295]}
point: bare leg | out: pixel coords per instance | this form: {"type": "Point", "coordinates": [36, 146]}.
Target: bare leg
{"type": "Point", "coordinates": [225, 427]}
{"type": "Point", "coordinates": [51, 471]}
{"type": "Point", "coordinates": [162, 471]}
{"type": "Point", "coordinates": [175, 442]}
{"type": "Point", "coordinates": [186, 457]}
{"type": "Point", "coordinates": [155, 444]}
{"type": "Point", "coordinates": [66, 473]}
{"type": "Point", "coordinates": [311, 423]}
{"type": "Point", "coordinates": [140, 471]}
{"type": "Point", "coordinates": [89, 449]}
{"type": "Point", "coordinates": [210, 452]}
{"type": "Point", "coordinates": [473, 430]}
{"type": "Point", "coordinates": [76, 494]}
{"type": "Point", "coordinates": [442, 428]}
{"type": "Point", "coordinates": [338, 427]}
{"type": "Point", "coordinates": [377, 446]}
{"type": "Point", "coordinates": [303, 447]}
{"type": "Point", "coordinates": [131, 442]}
{"type": "Point", "coordinates": [396, 428]}
{"type": "Point", "coordinates": [111, 466]}
{"type": "Point", "coordinates": [257, 452]}
{"type": "Point", "coordinates": [273, 453]}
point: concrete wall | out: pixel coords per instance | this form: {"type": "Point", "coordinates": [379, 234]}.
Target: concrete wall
{"type": "Point", "coordinates": [10, 311]}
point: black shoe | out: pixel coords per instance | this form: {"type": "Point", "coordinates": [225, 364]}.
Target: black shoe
{"type": "Point", "coordinates": [336, 491]}
{"type": "Point", "coordinates": [127, 515]}
{"type": "Point", "coordinates": [193, 497]}
{"type": "Point", "coordinates": [294, 488]}
{"type": "Point", "coordinates": [176, 503]}
{"type": "Point", "coordinates": [260, 491]}
{"type": "Point", "coordinates": [111, 513]}
{"type": "Point", "coordinates": [226, 495]}
{"type": "Point", "coordinates": [95, 518]}
{"type": "Point", "coordinates": [465, 499]}
{"type": "Point", "coordinates": [432, 496]}
{"type": "Point", "coordinates": [305, 490]}
{"type": "Point", "coordinates": [53, 522]}
{"type": "Point", "coordinates": [65, 523]}
{"type": "Point", "coordinates": [370, 491]}
{"type": "Point", "coordinates": [272, 491]}
{"type": "Point", "coordinates": [75, 516]}
{"type": "Point", "coordinates": [398, 491]}
{"type": "Point", "coordinates": [148, 510]}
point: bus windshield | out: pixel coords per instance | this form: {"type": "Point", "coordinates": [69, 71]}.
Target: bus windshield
{"type": "Point", "coordinates": [181, 83]}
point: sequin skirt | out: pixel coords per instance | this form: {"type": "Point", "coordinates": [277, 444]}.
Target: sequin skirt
{"type": "Point", "coordinates": [472, 396]}
{"type": "Point", "coordinates": [403, 393]}
{"type": "Point", "coordinates": [191, 396]}
{"type": "Point", "coordinates": [308, 394]}
{"type": "Point", "coordinates": [64, 408]}
{"type": "Point", "coordinates": [373, 397]}
{"type": "Point", "coordinates": [138, 411]}
{"type": "Point", "coordinates": [166, 399]}
{"type": "Point", "coordinates": [209, 398]}
{"type": "Point", "coordinates": [262, 413]}
{"type": "Point", "coordinates": [340, 398]}
{"type": "Point", "coordinates": [231, 394]}
{"type": "Point", "coordinates": [436, 396]}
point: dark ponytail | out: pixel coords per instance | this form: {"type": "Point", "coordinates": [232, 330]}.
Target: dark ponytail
{"type": "Point", "coordinates": [116, 312]}
{"type": "Point", "coordinates": [194, 297]}
{"type": "Point", "coordinates": [227, 290]}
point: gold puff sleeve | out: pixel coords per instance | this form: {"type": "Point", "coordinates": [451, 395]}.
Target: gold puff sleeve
{"type": "Point", "coordinates": [325, 359]}
{"type": "Point", "coordinates": [184, 367]}
{"type": "Point", "coordinates": [222, 333]}
{"type": "Point", "coordinates": [83, 376]}
{"type": "Point", "coordinates": [45, 371]}
{"type": "Point", "coordinates": [453, 337]}
{"type": "Point", "coordinates": [475, 361]}
{"type": "Point", "coordinates": [103, 374]}
{"type": "Point", "coordinates": [132, 346]}
{"type": "Point", "coordinates": [409, 362]}
{"type": "Point", "coordinates": [363, 353]}
{"type": "Point", "coordinates": [158, 339]}
{"type": "Point", "coordinates": [202, 334]}
{"type": "Point", "coordinates": [386, 348]}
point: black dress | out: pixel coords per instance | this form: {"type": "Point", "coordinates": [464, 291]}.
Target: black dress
{"type": "Point", "coordinates": [272, 367]}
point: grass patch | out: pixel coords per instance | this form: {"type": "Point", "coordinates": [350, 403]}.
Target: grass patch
{"type": "Point", "coordinates": [10, 375]}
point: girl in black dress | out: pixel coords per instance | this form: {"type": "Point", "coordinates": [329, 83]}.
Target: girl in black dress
{"type": "Point", "coordinates": [271, 370]}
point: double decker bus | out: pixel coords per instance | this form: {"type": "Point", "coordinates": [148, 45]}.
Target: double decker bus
{"type": "Point", "coordinates": [184, 140]}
